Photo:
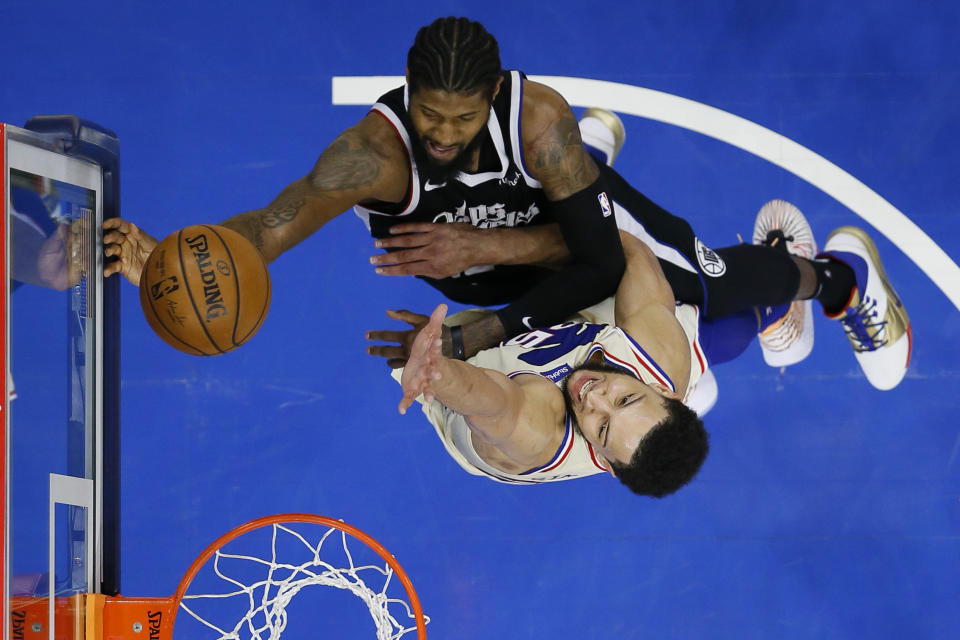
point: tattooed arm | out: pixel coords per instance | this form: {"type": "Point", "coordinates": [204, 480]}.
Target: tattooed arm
{"type": "Point", "coordinates": [573, 185]}
{"type": "Point", "coordinates": [367, 161]}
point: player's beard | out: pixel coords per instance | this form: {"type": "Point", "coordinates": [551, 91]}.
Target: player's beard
{"type": "Point", "coordinates": [437, 172]}
{"type": "Point", "coordinates": [599, 367]}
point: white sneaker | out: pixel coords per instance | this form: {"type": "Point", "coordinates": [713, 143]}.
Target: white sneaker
{"type": "Point", "coordinates": [602, 133]}
{"type": "Point", "coordinates": [786, 334]}
{"type": "Point", "coordinates": [874, 319]}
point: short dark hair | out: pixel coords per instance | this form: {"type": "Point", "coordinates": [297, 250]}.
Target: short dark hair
{"type": "Point", "coordinates": [456, 55]}
{"type": "Point", "coordinates": [669, 455]}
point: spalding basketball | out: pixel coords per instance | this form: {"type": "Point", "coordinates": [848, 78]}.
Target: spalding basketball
{"type": "Point", "coordinates": [205, 290]}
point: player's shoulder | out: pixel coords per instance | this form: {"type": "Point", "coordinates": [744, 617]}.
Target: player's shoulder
{"type": "Point", "coordinates": [543, 109]}
{"type": "Point", "coordinates": [542, 105]}
{"type": "Point", "coordinates": [377, 135]}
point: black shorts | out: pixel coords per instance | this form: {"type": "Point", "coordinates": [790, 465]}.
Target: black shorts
{"type": "Point", "coordinates": [722, 281]}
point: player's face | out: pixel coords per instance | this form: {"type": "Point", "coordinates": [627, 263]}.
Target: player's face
{"type": "Point", "coordinates": [614, 410]}
{"type": "Point", "coordinates": [447, 123]}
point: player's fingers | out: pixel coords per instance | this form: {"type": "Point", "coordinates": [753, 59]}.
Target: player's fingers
{"type": "Point", "coordinates": [397, 257]}
{"type": "Point", "coordinates": [396, 363]}
{"type": "Point", "coordinates": [407, 316]}
{"type": "Point", "coordinates": [116, 223]}
{"type": "Point", "coordinates": [383, 351]}
{"type": "Point", "coordinates": [386, 336]}
{"type": "Point", "coordinates": [413, 227]}
{"type": "Point", "coordinates": [436, 318]}
{"type": "Point", "coordinates": [409, 269]}
{"type": "Point", "coordinates": [401, 242]}
{"type": "Point", "coordinates": [114, 237]}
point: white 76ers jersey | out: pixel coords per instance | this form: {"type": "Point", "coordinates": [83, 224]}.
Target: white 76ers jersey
{"type": "Point", "coordinates": [553, 353]}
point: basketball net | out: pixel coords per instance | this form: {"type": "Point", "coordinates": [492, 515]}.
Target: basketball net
{"type": "Point", "coordinates": [243, 592]}
{"type": "Point", "coordinates": [267, 598]}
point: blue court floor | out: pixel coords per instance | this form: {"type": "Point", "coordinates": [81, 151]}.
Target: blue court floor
{"type": "Point", "coordinates": [826, 509]}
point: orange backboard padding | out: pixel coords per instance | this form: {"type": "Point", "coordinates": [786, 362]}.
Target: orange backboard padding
{"type": "Point", "coordinates": [92, 616]}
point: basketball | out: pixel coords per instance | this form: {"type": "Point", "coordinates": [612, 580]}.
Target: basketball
{"type": "Point", "coordinates": [205, 290]}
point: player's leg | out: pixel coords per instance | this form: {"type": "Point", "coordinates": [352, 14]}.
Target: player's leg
{"type": "Point", "coordinates": [602, 133]}
{"type": "Point", "coordinates": [722, 282]}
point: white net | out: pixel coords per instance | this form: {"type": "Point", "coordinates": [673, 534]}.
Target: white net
{"type": "Point", "coordinates": [256, 588]}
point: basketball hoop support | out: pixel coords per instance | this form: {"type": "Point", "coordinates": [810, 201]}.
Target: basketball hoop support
{"type": "Point", "coordinates": [100, 617]}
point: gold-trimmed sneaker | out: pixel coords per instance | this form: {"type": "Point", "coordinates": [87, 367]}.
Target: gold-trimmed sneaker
{"type": "Point", "coordinates": [602, 133]}
{"type": "Point", "coordinates": [874, 319]}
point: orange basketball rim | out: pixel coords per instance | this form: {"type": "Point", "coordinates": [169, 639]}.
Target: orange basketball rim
{"type": "Point", "coordinates": [100, 617]}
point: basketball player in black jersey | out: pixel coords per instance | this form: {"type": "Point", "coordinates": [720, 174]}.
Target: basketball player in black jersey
{"type": "Point", "coordinates": [466, 142]}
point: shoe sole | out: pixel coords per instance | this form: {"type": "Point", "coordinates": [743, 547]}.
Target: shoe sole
{"type": "Point", "coordinates": [783, 215]}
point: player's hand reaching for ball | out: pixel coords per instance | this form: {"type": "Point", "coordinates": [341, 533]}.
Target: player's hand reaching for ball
{"type": "Point", "coordinates": [130, 245]}
{"type": "Point", "coordinates": [426, 359]}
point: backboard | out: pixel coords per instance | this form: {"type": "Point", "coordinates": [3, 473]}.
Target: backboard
{"type": "Point", "coordinates": [60, 403]}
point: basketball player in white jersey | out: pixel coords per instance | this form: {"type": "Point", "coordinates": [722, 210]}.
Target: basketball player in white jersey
{"type": "Point", "coordinates": [574, 399]}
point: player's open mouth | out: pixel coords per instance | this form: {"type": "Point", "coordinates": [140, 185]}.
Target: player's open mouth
{"type": "Point", "coordinates": [441, 152]}
{"type": "Point", "coordinates": [580, 388]}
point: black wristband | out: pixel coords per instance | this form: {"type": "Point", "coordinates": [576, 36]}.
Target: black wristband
{"type": "Point", "coordinates": [456, 343]}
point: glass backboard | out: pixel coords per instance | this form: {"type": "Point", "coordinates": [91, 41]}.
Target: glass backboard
{"type": "Point", "coordinates": [53, 407]}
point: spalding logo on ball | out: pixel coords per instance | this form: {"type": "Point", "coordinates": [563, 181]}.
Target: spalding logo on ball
{"type": "Point", "coordinates": [205, 290]}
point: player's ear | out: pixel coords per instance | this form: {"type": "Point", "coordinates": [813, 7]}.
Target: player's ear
{"type": "Point", "coordinates": [665, 391]}
{"type": "Point", "coordinates": [603, 462]}
{"type": "Point", "coordinates": [406, 73]}
{"type": "Point", "coordinates": [496, 89]}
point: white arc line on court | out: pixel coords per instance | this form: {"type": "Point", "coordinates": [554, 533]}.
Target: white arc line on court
{"type": "Point", "coordinates": [736, 131]}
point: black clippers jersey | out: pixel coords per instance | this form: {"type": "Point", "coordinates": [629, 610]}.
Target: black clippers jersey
{"type": "Point", "coordinates": [500, 194]}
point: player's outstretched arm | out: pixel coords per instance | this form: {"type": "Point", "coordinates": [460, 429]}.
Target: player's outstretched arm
{"type": "Point", "coordinates": [515, 419]}
{"type": "Point", "coordinates": [489, 400]}
{"type": "Point", "coordinates": [367, 161]}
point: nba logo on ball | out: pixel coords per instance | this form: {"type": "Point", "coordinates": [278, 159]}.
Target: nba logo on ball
{"type": "Point", "coordinates": [205, 290]}
{"type": "Point", "coordinates": [604, 204]}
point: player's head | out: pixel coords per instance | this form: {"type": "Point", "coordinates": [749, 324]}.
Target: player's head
{"type": "Point", "coordinates": [643, 433]}
{"type": "Point", "coordinates": [453, 75]}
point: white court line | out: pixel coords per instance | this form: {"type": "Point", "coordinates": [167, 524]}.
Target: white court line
{"type": "Point", "coordinates": [736, 131]}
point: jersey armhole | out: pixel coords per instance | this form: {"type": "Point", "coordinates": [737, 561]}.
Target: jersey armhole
{"type": "Point", "coordinates": [413, 190]}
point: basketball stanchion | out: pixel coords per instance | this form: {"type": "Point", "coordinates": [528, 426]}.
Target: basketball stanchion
{"type": "Point", "coordinates": [235, 591]}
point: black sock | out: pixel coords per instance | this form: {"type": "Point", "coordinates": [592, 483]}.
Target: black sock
{"type": "Point", "coordinates": [835, 283]}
